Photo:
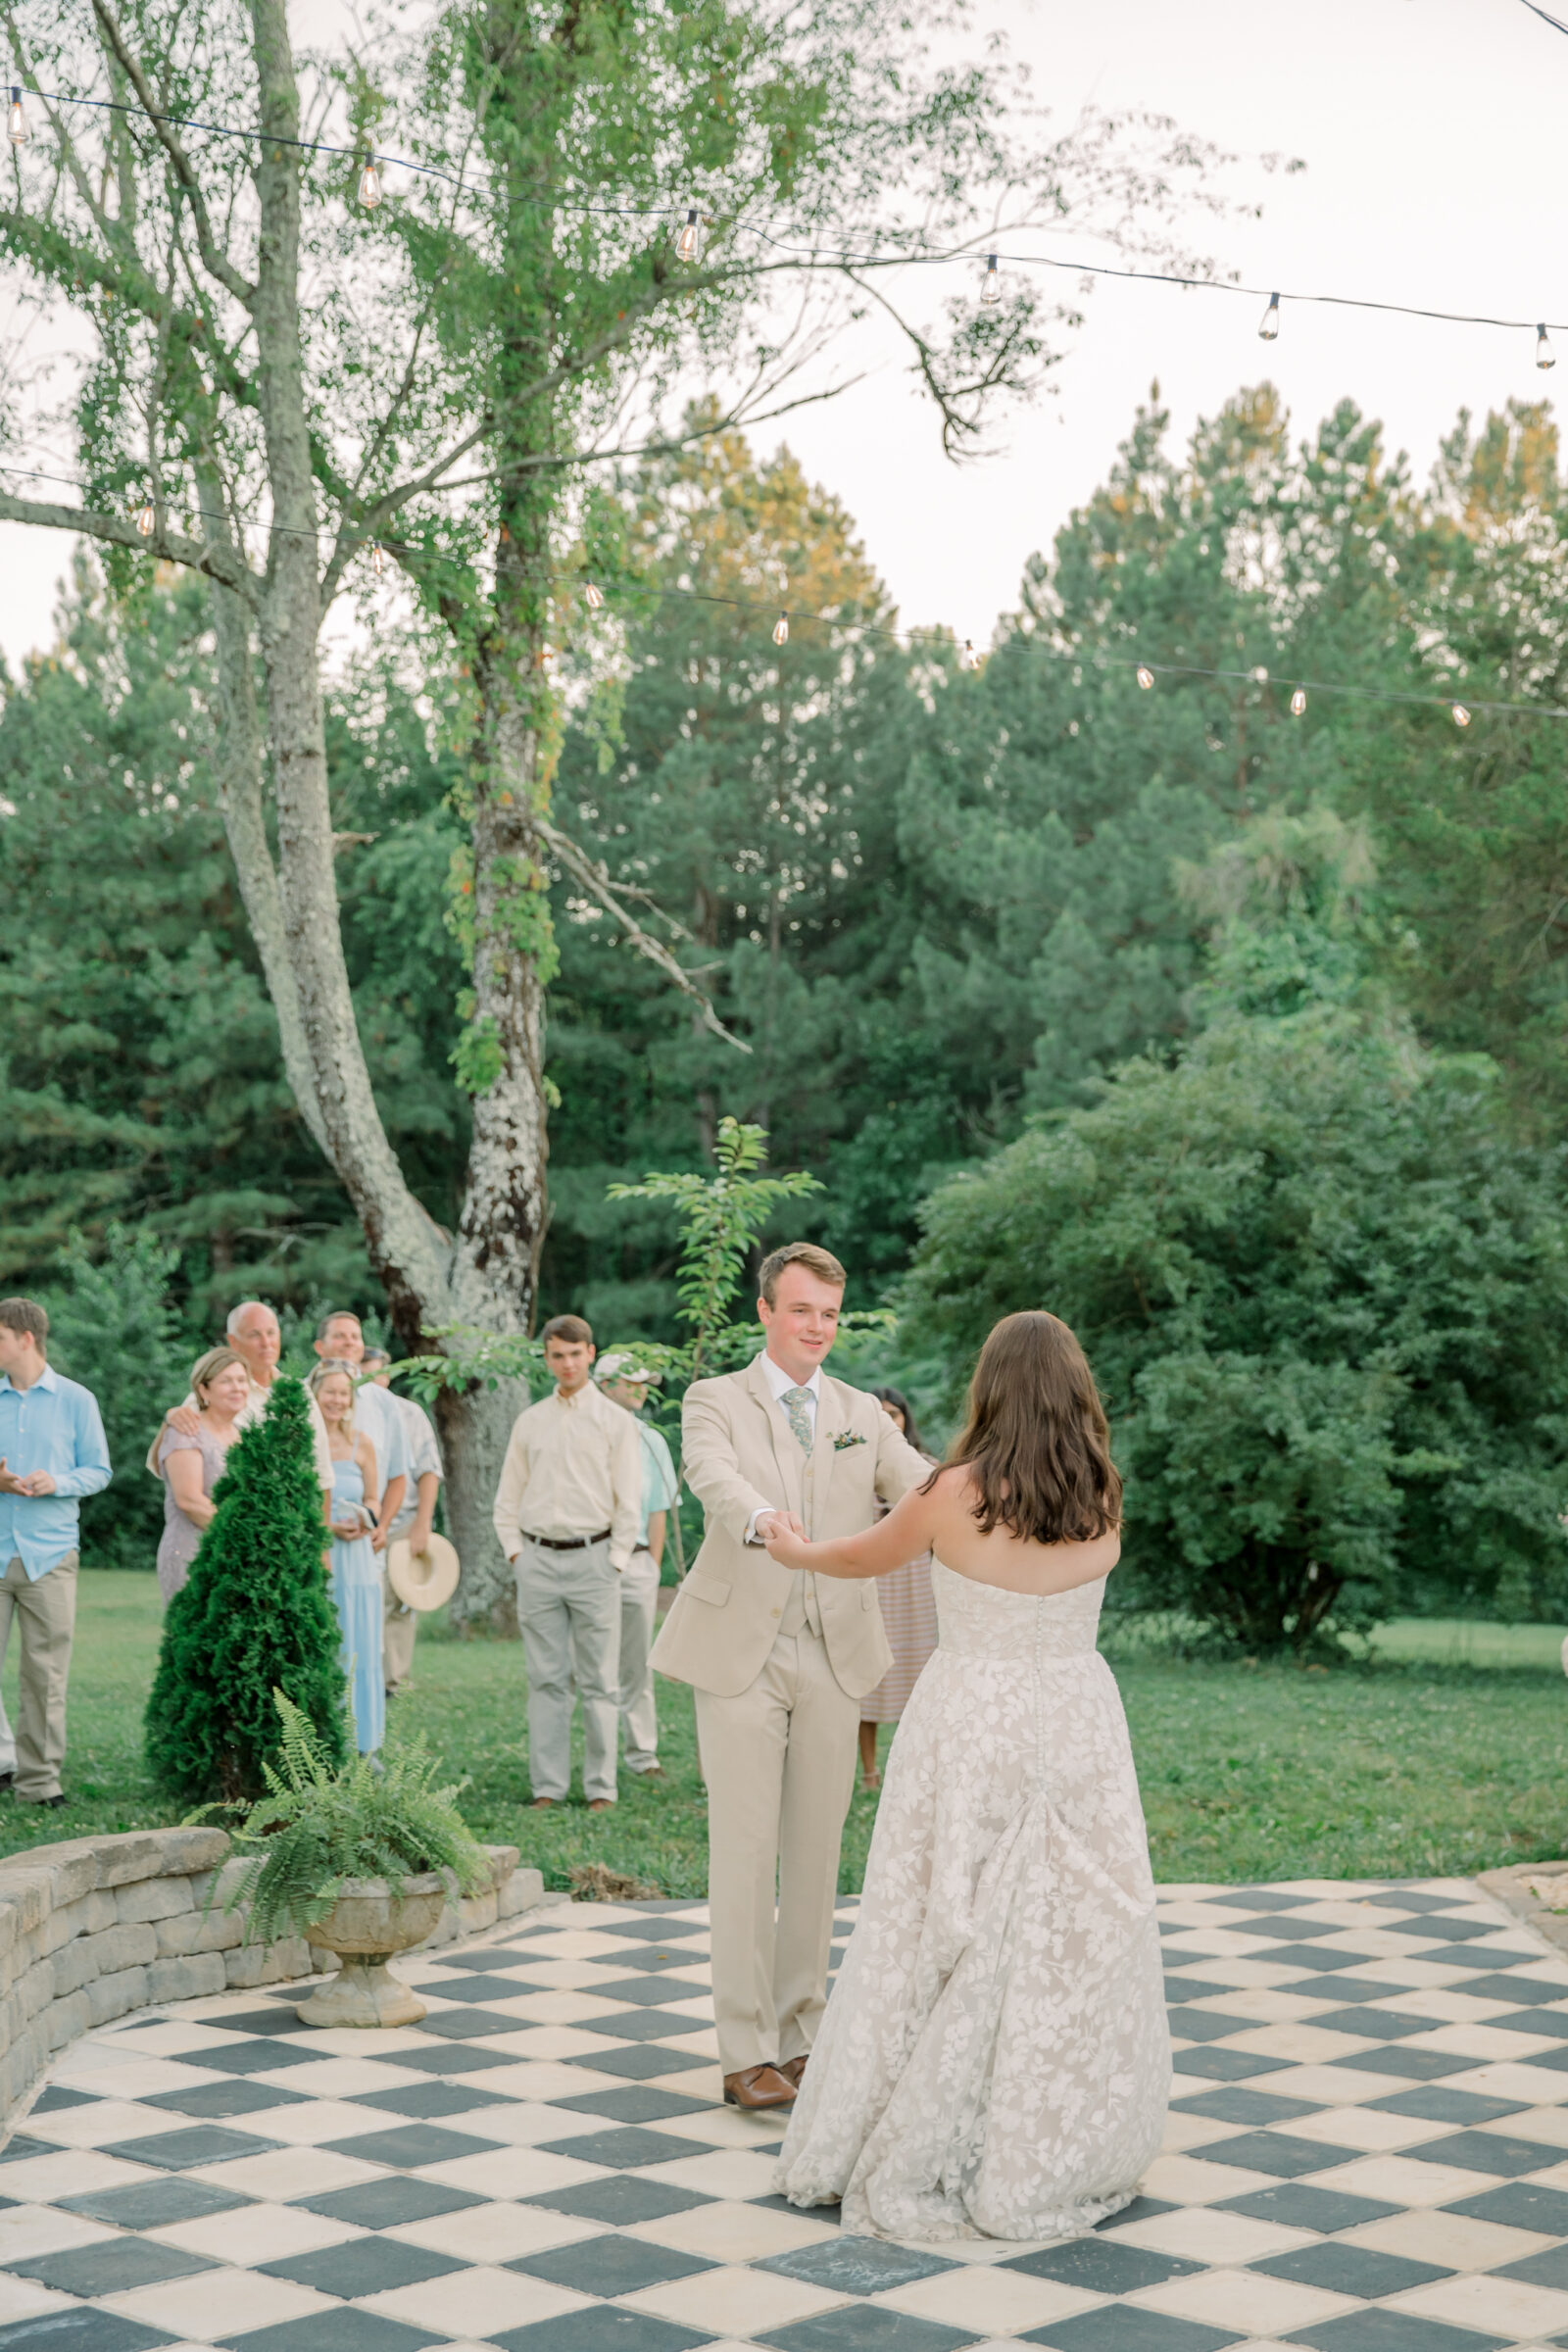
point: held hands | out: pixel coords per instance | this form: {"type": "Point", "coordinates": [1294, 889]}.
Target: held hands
{"type": "Point", "coordinates": [785, 1536]}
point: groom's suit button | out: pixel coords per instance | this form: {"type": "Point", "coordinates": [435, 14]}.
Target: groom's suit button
{"type": "Point", "coordinates": [772, 1612]}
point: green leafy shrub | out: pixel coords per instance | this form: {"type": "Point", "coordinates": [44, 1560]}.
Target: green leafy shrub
{"type": "Point", "coordinates": [115, 1329]}
{"type": "Point", "coordinates": [256, 1617]}
{"type": "Point", "coordinates": [1325, 1291]}
{"type": "Point", "coordinates": [321, 1825]}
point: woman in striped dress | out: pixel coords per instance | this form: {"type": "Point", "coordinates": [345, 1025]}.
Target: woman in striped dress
{"type": "Point", "coordinates": [909, 1614]}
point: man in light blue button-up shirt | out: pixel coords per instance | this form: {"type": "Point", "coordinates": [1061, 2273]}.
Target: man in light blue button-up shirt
{"type": "Point", "coordinates": [52, 1453]}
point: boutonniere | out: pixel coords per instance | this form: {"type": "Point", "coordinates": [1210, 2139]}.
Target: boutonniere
{"type": "Point", "coordinates": [847, 1438]}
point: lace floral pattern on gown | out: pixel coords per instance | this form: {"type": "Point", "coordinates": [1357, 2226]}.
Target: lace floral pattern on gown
{"type": "Point", "coordinates": [994, 2060]}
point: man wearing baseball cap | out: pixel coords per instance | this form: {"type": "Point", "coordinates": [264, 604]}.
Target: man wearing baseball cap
{"type": "Point", "coordinates": [627, 1381]}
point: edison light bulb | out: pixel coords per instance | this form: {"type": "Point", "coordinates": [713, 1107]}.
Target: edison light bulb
{"type": "Point", "coordinates": [1461, 717]}
{"type": "Point", "coordinates": [1299, 701]}
{"type": "Point", "coordinates": [595, 599]}
{"type": "Point", "coordinates": [369, 185]}
{"type": "Point", "coordinates": [686, 242]}
{"type": "Point", "coordinates": [1545, 357]}
{"type": "Point", "coordinates": [969, 658]}
{"type": "Point", "coordinates": [146, 519]}
{"type": "Point", "coordinates": [991, 284]}
{"type": "Point", "coordinates": [15, 119]}
{"type": "Point", "coordinates": [1269, 325]}
{"type": "Point", "coordinates": [781, 629]}
{"type": "Point", "coordinates": [1146, 678]}
{"type": "Point", "coordinates": [378, 556]}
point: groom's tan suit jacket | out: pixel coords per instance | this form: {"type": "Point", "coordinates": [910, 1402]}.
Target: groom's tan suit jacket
{"type": "Point", "coordinates": [739, 1458]}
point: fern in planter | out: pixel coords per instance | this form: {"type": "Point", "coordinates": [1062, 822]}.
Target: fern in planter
{"type": "Point", "coordinates": [318, 1827]}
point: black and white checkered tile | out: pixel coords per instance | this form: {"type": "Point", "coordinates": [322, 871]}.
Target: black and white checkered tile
{"type": "Point", "coordinates": [1368, 2153]}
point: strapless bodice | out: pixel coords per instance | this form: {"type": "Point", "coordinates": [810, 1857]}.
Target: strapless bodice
{"type": "Point", "coordinates": [982, 1621]}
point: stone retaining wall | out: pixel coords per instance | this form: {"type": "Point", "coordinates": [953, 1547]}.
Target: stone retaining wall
{"type": "Point", "coordinates": [99, 1925]}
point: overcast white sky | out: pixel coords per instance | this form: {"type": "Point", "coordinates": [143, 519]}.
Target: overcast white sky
{"type": "Point", "coordinates": [1432, 132]}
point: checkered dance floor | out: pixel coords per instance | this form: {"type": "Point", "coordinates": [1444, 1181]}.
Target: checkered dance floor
{"type": "Point", "coordinates": [1368, 2152]}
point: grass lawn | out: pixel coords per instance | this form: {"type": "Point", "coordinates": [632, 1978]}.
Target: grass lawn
{"type": "Point", "coordinates": [1447, 1752]}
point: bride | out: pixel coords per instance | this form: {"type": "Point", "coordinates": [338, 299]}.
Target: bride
{"type": "Point", "coordinates": [994, 2060]}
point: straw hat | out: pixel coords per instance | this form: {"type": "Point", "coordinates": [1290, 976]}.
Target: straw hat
{"type": "Point", "coordinates": [424, 1580]}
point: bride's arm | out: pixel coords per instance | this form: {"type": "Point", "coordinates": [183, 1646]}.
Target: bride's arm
{"type": "Point", "coordinates": [901, 1536]}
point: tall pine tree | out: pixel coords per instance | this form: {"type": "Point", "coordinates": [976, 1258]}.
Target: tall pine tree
{"type": "Point", "coordinates": [256, 1617]}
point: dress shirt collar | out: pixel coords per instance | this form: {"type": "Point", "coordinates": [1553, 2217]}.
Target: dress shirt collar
{"type": "Point", "coordinates": [779, 1381]}
{"type": "Point", "coordinates": [48, 1377]}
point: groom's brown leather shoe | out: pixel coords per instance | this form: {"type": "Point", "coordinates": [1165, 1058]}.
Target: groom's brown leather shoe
{"type": "Point", "coordinates": [759, 2087]}
{"type": "Point", "coordinates": [793, 2069]}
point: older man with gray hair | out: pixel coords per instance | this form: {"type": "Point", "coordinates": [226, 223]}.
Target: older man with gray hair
{"type": "Point", "coordinates": [257, 1339]}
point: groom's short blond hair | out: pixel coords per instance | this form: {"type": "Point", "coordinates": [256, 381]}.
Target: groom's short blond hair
{"type": "Point", "coordinates": [821, 1263]}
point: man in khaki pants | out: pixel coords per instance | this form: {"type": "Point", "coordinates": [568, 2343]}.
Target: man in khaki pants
{"type": "Point", "coordinates": [52, 1453]}
{"type": "Point", "coordinates": [779, 1661]}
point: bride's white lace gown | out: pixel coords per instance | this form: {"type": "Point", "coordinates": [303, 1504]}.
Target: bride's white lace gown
{"type": "Point", "coordinates": [994, 2060]}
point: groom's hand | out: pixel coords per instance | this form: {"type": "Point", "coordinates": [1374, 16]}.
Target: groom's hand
{"type": "Point", "coordinates": [778, 1523]}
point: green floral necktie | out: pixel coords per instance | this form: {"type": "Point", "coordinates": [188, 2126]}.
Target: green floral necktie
{"type": "Point", "coordinates": [795, 1402]}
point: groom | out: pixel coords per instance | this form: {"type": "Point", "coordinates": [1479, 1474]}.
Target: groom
{"type": "Point", "coordinates": [779, 1661]}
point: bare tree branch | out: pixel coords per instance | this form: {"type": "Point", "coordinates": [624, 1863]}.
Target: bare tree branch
{"type": "Point", "coordinates": [214, 563]}
{"type": "Point", "coordinates": [594, 879]}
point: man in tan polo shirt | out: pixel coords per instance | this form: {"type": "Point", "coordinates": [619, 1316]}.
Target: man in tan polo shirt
{"type": "Point", "coordinates": [780, 1660]}
{"type": "Point", "coordinates": [567, 1515]}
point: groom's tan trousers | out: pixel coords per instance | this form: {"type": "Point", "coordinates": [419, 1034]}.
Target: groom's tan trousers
{"type": "Point", "coordinates": [779, 1761]}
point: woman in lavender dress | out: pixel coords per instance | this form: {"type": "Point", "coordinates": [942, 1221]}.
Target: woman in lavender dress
{"type": "Point", "coordinates": [191, 1467]}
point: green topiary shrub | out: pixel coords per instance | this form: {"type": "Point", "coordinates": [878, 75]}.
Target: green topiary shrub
{"type": "Point", "coordinates": [256, 1617]}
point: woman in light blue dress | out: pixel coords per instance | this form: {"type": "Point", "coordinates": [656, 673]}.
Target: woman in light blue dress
{"type": "Point", "coordinates": [356, 1570]}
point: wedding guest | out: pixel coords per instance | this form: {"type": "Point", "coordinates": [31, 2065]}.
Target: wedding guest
{"type": "Point", "coordinates": [52, 1453]}
{"type": "Point", "coordinates": [356, 1572]}
{"type": "Point", "coordinates": [909, 1618]}
{"type": "Point", "coordinates": [414, 1522]}
{"type": "Point", "coordinates": [191, 1467]}
{"type": "Point", "coordinates": [339, 1340]}
{"type": "Point", "coordinates": [626, 1382]}
{"type": "Point", "coordinates": [567, 1516]}
{"type": "Point", "coordinates": [253, 1334]}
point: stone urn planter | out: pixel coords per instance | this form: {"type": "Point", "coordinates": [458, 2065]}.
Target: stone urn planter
{"type": "Point", "coordinates": [370, 1922]}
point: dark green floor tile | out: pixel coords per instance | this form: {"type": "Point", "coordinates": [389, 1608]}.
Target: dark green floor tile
{"type": "Point", "coordinates": [609, 2265]}
{"type": "Point", "coordinates": [1124, 2328]}
{"type": "Point", "coordinates": [342, 2331]}
{"type": "Point", "coordinates": [183, 2151]}
{"type": "Point", "coordinates": [388, 2204]}
{"type": "Point", "coordinates": [855, 2266]}
{"type": "Point", "coordinates": [230, 2094]}
{"type": "Point", "coordinates": [620, 2200]}
{"type": "Point", "coordinates": [408, 2146]}
{"type": "Point", "coordinates": [1350, 2271]}
{"type": "Point", "coordinates": [605, 2329]}
{"type": "Point", "coordinates": [153, 2204]}
{"type": "Point", "coordinates": [111, 2266]}
{"type": "Point", "coordinates": [1101, 2266]}
{"type": "Point", "coordinates": [365, 2266]}
{"type": "Point", "coordinates": [627, 2148]}
{"type": "Point", "coordinates": [1296, 2205]}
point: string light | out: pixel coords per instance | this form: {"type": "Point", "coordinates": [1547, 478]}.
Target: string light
{"type": "Point", "coordinates": [781, 629]}
{"type": "Point", "coordinates": [1146, 678]}
{"type": "Point", "coordinates": [1268, 326]}
{"type": "Point", "coordinates": [369, 184]}
{"type": "Point", "coordinates": [378, 556]}
{"type": "Point", "coordinates": [686, 242]}
{"type": "Point", "coordinates": [991, 284]}
{"type": "Point", "coordinates": [969, 658]}
{"type": "Point", "coordinates": [16, 119]}
{"type": "Point", "coordinates": [146, 519]}
{"type": "Point", "coordinates": [1461, 717]}
{"type": "Point", "coordinates": [1545, 357]}
{"type": "Point", "coordinates": [1299, 701]}
{"type": "Point", "coordinates": [594, 596]}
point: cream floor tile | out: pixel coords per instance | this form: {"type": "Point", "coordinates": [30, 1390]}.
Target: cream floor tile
{"type": "Point", "coordinates": [23, 2299]}
{"type": "Point", "coordinates": [1004, 2301]}
{"type": "Point", "coordinates": [1262, 1972]}
{"type": "Point", "coordinates": [727, 2173]}
{"type": "Point", "coordinates": [571, 1943]}
{"type": "Point", "coordinates": [544, 2079]}
{"type": "Point", "coordinates": [1199, 2234]}
{"type": "Point", "coordinates": [733, 2302]}
{"type": "Point", "coordinates": [289, 2173]}
{"type": "Point", "coordinates": [30, 2230]}
{"type": "Point", "coordinates": [1244, 2299]}
{"type": "Point", "coordinates": [128, 2077]}
{"type": "Point", "coordinates": [1190, 1891]}
{"type": "Point", "coordinates": [559, 1975]}
{"type": "Point", "coordinates": [1481, 2042]}
{"type": "Point", "coordinates": [1505, 2306]}
{"type": "Point", "coordinates": [533, 2042]}
{"type": "Point", "coordinates": [684, 2002]}
{"type": "Point", "coordinates": [701, 2043]}
{"type": "Point", "coordinates": [1448, 2008]}
{"type": "Point", "coordinates": [336, 2078]}
{"type": "Point", "coordinates": [100, 2124]}
{"type": "Point", "coordinates": [1261, 2006]}
{"type": "Point", "coordinates": [1391, 1976]}
{"type": "Point", "coordinates": [1360, 1944]}
{"type": "Point", "coordinates": [257, 2234]}
{"type": "Point", "coordinates": [1185, 2132]}
{"type": "Point", "coordinates": [1334, 2085]}
{"type": "Point", "coordinates": [692, 2082]}
{"type": "Point", "coordinates": [512, 2172]}
{"type": "Point", "coordinates": [1400, 2181]}
{"type": "Point", "coordinates": [348, 2042]}
{"type": "Point", "coordinates": [554, 2008]}
{"type": "Point", "coordinates": [219, 2303]}
{"type": "Point", "coordinates": [1331, 1913]}
{"type": "Point", "coordinates": [494, 2233]}
{"type": "Point", "coordinates": [39, 2180]}
{"type": "Point", "coordinates": [1189, 2181]}
{"type": "Point", "coordinates": [1454, 2240]}
{"type": "Point", "coordinates": [1214, 1943]}
{"type": "Point", "coordinates": [723, 2127]}
{"type": "Point", "coordinates": [1203, 1915]}
{"type": "Point", "coordinates": [1553, 2176]}
{"type": "Point", "coordinates": [734, 2233]}
{"type": "Point", "coordinates": [527, 2125]}
{"type": "Point", "coordinates": [314, 2123]}
{"type": "Point", "coordinates": [481, 2302]}
{"type": "Point", "coordinates": [1365, 2128]}
{"type": "Point", "coordinates": [1547, 2124]}
{"type": "Point", "coordinates": [1309, 2045]}
{"type": "Point", "coordinates": [700, 1973]}
{"type": "Point", "coordinates": [1498, 2079]}
{"type": "Point", "coordinates": [174, 2040]}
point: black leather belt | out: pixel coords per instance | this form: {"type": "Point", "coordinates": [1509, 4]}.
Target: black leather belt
{"type": "Point", "coordinates": [565, 1542]}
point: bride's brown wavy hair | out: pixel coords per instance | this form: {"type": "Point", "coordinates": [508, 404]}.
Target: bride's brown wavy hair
{"type": "Point", "coordinates": [1035, 1440]}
